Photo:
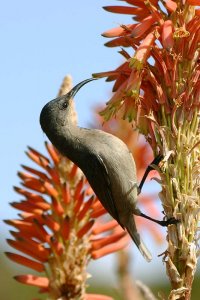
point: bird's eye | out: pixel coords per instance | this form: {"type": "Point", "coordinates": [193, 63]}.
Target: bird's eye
{"type": "Point", "coordinates": [64, 105]}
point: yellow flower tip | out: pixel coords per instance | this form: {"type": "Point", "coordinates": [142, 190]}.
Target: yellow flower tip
{"type": "Point", "coordinates": [135, 63]}
{"type": "Point", "coordinates": [108, 113]}
{"type": "Point", "coordinates": [133, 93]}
{"type": "Point", "coordinates": [97, 75]}
{"type": "Point", "coordinates": [181, 32]}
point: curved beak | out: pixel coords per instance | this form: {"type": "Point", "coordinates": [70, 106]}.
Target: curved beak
{"type": "Point", "coordinates": [77, 87]}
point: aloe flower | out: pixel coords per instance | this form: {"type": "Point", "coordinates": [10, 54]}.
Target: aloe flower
{"type": "Point", "coordinates": [157, 88]}
{"type": "Point", "coordinates": [58, 231]}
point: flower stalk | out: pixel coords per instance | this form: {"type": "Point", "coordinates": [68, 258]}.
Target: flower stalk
{"type": "Point", "coordinates": [157, 89]}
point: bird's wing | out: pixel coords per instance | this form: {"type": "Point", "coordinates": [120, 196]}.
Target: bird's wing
{"type": "Point", "coordinates": [101, 185]}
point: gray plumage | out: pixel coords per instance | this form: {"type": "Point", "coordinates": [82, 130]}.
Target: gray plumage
{"type": "Point", "coordinates": [104, 159]}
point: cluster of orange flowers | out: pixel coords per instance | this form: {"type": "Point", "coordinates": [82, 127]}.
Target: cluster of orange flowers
{"type": "Point", "coordinates": [57, 228]}
{"type": "Point", "coordinates": [147, 81]}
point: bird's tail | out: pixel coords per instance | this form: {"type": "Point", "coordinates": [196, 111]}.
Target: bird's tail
{"type": "Point", "coordinates": [132, 230]}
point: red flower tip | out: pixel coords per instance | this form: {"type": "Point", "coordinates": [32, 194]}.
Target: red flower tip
{"type": "Point", "coordinates": [170, 5]}
{"type": "Point", "coordinates": [143, 27]}
{"type": "Point", "coordinates": [111, 248]}
{"type": "Point", "coordinates": [53, 153]}
{"type": "Point", "coordinates": [100, 228]}
{"type": "Point", "coordinates": [193, 2]}
{"type": "Point", "coordinates": [119, 31]}
{"type": "Point", "coordinates": [85, 229]}
{"type": "Point", "coordinates": [25, 262]}
{"type": "Point", "coordinates": [41, 282]}
{"type": "Point", "coordinates": [122, 9]}
{"type": "Point", "coordinates": [167, 35]}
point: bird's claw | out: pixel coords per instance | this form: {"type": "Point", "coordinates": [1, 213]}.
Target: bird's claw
{"type": "Point", "coordinates": [169, 221]}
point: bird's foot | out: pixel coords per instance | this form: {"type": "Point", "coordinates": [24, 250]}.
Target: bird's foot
{"type": "Point", "coordinates": [163, 223]}
{"type": "Point", "coordinates": [150, 167]}
{"type": "Point", "coordinates": [167, 222]}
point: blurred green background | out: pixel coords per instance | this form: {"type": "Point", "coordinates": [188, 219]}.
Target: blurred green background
{"type": "Point", "coordinates": [12, 290]}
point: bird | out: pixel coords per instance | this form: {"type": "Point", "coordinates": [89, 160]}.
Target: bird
{"type": "Point", "coordinates": [105, 160]}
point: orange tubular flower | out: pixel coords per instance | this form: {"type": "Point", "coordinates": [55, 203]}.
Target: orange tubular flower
{"type": "Point", "coordinates": [167, 35]}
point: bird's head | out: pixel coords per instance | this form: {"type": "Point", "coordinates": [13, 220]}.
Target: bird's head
{"type": "Point", "coordinates": [57, 112]}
